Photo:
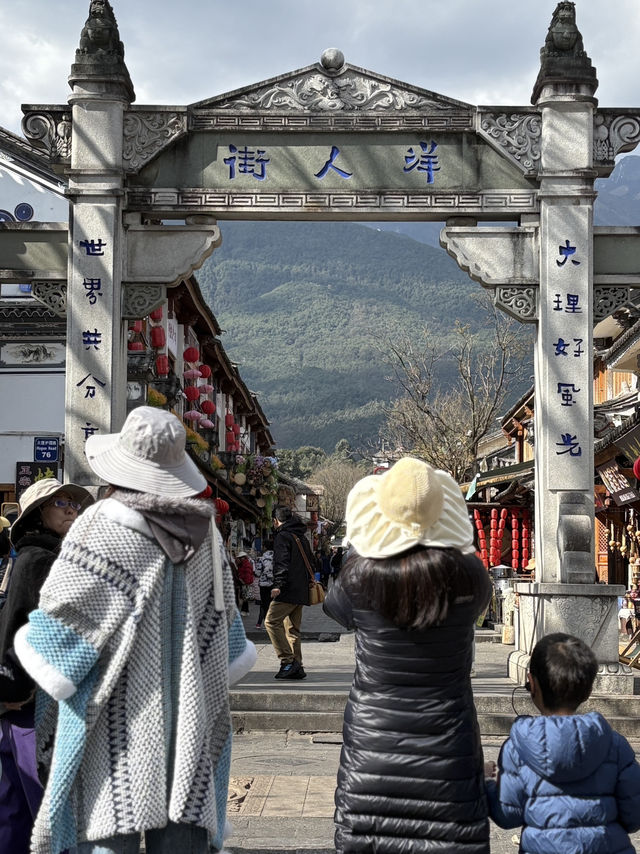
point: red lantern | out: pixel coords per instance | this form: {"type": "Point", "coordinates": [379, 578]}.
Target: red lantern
{"type": "Point", "coordinates": [222, 507]}
{"type": "Point", "coordinates": [228, 420]}
{"type": "Point", "coordinates": [135, 346]}
{"type": "Point", "coordinates": [162, 366]}
{"type": "Point", "coordinates": [191, 354]}
{"type": "Point", "coordinates": [158, 338]}
{"type": "Point", "coordinates": [156, 314]}
{"type": "Point", "coordinates": [205, 370]}
{"type": "Point", "coordinates": [236, 429]}
{"type": "Point", "coordinates": [191, 393]}
{"type": "Point", "coordinates": [136, 326]}
{"type": "Point", "coordinates": [207, 492]}
{"type": "Point", "coordinates": [636, 469]}
{"type": "Point", "coordinates": [208, 406]}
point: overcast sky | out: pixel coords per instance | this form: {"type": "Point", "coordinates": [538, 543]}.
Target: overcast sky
{"type": "Point", "coordinates": [479, 51]}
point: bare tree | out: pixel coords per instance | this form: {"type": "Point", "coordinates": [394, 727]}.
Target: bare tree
{"type": "Point", "coordinates": [444, 425]}
{"type": "Point", "coordinates": [337, 477]}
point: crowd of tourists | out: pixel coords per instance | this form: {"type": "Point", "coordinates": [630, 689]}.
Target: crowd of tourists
{"type": "Point", "coordinates": [121, 631]}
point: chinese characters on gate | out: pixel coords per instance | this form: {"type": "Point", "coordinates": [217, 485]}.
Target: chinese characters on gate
{"type": "Point", "coordinates": [568, 347]}
{"type": "Point", "coordinates": [255, 162]}
{"type": "Point", "coordinates": [91, 338]}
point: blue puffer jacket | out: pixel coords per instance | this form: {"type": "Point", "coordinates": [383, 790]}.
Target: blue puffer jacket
{"type": "Point", "coordinates": [572, 781]}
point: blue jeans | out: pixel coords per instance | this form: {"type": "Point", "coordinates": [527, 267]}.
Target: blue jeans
{"type": "Point", "coordinates": [182, 838]}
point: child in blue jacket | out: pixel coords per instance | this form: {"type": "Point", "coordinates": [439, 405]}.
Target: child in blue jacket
{"type": "Point", "coordinates": [571, 780]}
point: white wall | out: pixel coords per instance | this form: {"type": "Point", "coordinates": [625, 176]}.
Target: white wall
{"type": "Point", "coordinates": [33, 405]}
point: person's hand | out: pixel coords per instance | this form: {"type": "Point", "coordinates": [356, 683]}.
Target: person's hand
{"type": "Point", "coordinates": [275, 591]}
{"type": "Point", "coordinates": [490, 770]}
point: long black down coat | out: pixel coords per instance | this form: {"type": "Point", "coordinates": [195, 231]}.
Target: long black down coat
{"type": "Point", "coordinates": [411, 768]}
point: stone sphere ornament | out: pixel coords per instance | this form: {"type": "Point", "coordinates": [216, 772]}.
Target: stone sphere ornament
{"type": "Point", "coordinates": [332, 59]}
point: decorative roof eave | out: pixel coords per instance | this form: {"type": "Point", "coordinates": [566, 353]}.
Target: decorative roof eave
{"type": "Point", "coordinates": [205, 312]}
{"type": "Point", "coordinates": [299, 486]}
{"type": "Point", "coordinates": [25, 155]}
{"type": "Point", "coordinates": [601, 445]}
{"type": "Point", "coordinates": [527, 400]}
{"type": "Point", "coordinates": [621, 345]}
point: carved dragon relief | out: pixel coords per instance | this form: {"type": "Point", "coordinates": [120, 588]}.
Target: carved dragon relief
{"type": "Point", "coordinates": [147, 133]}
{"type": "Point", "coordinates": [318, 92]}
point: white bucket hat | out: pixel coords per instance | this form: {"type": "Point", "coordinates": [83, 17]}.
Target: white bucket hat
{"type": "Point", "coordinates": [410, 504]}
{"type": "Point", "coordinates": [147, 455]}
{"type": "Point", "coordinates": [37, 494]}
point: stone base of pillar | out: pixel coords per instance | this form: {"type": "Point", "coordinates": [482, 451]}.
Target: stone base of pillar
{"type": "Point", "coordinates": [587, 611]}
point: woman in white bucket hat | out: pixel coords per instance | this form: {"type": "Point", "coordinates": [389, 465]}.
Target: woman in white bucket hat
{"type": "Point", "coordinates": [137, 637]}
{"type": "Point", "coordinates": [411, 770]}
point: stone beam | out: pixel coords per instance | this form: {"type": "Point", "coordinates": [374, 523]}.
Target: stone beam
{"type": "Point", "coordinates": [156, 254]}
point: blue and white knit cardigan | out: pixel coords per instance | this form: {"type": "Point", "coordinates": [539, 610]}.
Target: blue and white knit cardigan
{"type": "Point", "coordinates": [97, 644]}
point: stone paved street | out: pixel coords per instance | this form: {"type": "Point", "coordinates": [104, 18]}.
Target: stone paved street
{"type": "Point", "coordinates": [282, 789]}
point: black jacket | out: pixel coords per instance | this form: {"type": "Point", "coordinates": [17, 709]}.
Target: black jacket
{"type": "Point", "coordinates": [411, 769]}
{"type": "Point", "coordinates": [36, 554]}
{"type": "Point", "coordinates": [289, 569]}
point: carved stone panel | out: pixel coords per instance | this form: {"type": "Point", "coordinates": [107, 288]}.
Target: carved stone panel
{"type": "Point", "coordinates": [146, 133]}
{"type": "Point", "coordinates": [607, 299]}
{"type": "Point", "coordinates": [140, 300]}
{"type": "Point", "coordinates": [614, 132]}
{"type": "Point", "coordinates": [51, 294]}
{"type": "Point", "coordinates": [520, 302]}
{"type": "Point", "coordinates": [517, 135]}
{"type": "Point", "coordinates": [50, 132]}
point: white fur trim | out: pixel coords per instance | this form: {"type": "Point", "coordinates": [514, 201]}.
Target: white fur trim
{"type": "Point", "coordinates": [243, 663]}
{"type": "Point", "coordinates": [45, 674]}
{"type": "Point", "coordinates": [123, 515]}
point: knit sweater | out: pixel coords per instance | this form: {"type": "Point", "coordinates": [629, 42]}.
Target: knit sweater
{"type": "Point", "coordinates": [98, 644]}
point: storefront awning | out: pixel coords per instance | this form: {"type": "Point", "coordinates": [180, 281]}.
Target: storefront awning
{"type": "Point", "coordinates": [506, 474]}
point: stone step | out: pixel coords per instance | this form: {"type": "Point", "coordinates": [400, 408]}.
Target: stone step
{"type": "Point", "coordinates": [317, 711]}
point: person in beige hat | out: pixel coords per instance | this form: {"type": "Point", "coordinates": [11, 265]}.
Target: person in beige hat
{"type": "Point", "coordinates": [137, 637]}
{"type": "Point", "coordinates": [411, 773]}
{"type": "Point", "coordinates": [48, 508]}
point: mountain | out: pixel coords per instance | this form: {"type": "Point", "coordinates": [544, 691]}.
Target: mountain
{"type": "Point", "coordinates": [309, 305]}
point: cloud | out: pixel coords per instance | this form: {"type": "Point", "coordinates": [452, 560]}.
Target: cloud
{"type": "Point", "coordinates": [480, 52]}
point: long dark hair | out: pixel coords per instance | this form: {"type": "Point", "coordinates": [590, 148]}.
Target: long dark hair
{"type": "Point", "coordinates": [415, 589]}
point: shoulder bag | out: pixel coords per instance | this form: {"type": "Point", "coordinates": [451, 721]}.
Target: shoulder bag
{"type": "Point", "coordinates": [316, 590]}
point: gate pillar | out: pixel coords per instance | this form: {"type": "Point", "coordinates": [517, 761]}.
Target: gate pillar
{"type": "Point", "coordinates": [565, 596]}
{"type": "Point", "coordinates": [96, 355]}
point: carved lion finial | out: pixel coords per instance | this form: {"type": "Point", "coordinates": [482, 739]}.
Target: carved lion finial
{"type": "Point", "coordinates": [101, 51]}
{"type": "Point", "coordinates": [563, 59]}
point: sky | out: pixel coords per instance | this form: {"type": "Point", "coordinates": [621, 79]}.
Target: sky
{"type": "Point", "coordinates": [478, 51]}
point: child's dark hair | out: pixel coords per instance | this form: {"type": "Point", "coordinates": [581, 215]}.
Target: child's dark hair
{"type": "Point", "coordinates": [565, 668]}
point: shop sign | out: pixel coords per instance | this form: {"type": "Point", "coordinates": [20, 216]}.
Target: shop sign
{"type": "Point", "coordinates": [617, 484]}
{"type": "Point", "coordinates": [29, 472]}
{"type": "Point", "coordinates": [172, 335]}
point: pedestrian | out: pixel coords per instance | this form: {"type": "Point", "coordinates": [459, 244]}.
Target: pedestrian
{"type": "Point", "coordinates": [244, 568]}
{"type": "Point", "coordinates": [137, 636]}
{"type": "Point", "coordinates": [323, 560]}
{"type": "Point", "coordinates": [411, 774]}
{"type": "Point", "coordinates": [48, 508]}
{"type": "Point", "coordinates": [571, 780]}
{"type": "Point", "coordinates": [291, 553]}
{"type": "Point", "coordinates": [264, 573]}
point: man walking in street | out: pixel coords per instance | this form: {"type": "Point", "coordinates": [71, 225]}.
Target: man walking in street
{"type": "Point", "coordinates": [293, 564]}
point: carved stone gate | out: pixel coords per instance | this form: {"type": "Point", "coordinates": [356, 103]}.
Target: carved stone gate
{"type": "Point", "coordinates": [334, 141]}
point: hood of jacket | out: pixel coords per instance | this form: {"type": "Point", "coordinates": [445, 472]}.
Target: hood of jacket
{"type": "Point", "coordinates": [562, 748]}
{"type": "Point", "coordinates": [293, 526]}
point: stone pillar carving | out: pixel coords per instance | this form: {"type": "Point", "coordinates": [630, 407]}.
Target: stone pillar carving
{"type": "Point", "coordinates": [96, 356]}
{"type": "Point", "coordinates": [564, 597]}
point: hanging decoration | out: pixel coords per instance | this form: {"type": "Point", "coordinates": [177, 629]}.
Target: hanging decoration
{"type": "Point", "coordinates": [207, 423]}
{"type": "Point", "coordinates": [191, 374]}
{"type": "Point", "coordinates": [208, 406]}
{"type": "Point", "coordinates": [162, 366]}
{"type": "Point", "coordinates": [192, 393]}
{"type": "Point", "coordinates": [191, 354]}
{"type": "Point", "coordinates": [193, 415]}
{"type": "Point", "coordinates": [156, 314]}
{"type": "Point", "coordinates": [158, 338]}
{"type": "Point", "coordinates": [205, 370]}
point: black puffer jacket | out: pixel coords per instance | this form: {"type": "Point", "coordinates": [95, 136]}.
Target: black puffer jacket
{"type": "Point", "coordinates": [411, 768]}
{"type": "Point", "coordinates": [289, 569]}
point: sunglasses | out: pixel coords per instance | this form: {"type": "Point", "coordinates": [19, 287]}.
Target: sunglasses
{"type": "Point", "coordinates": [60, 502]}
